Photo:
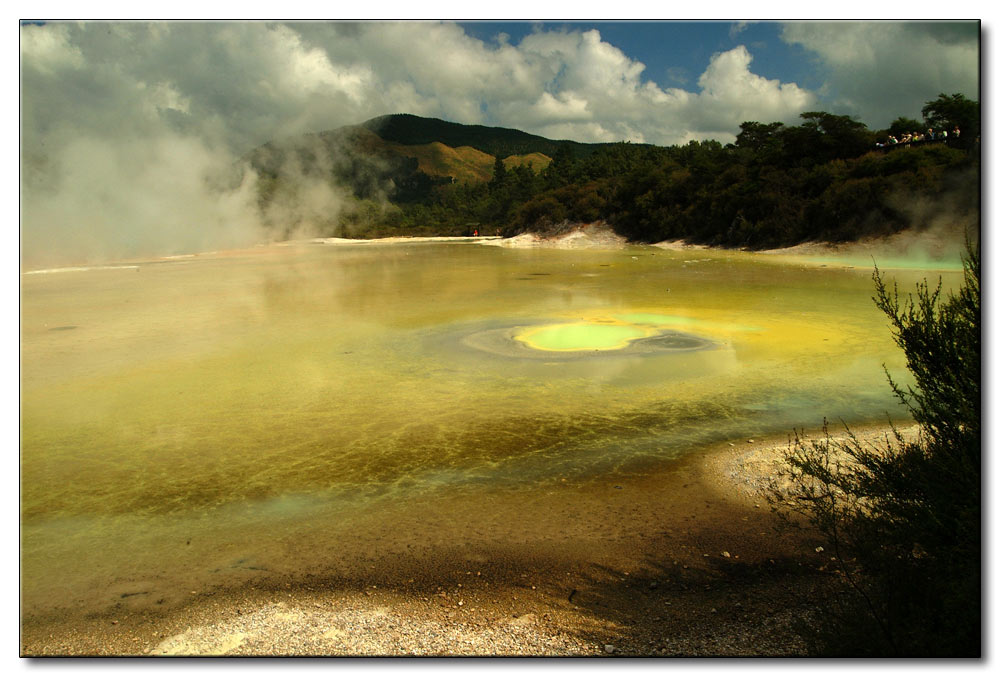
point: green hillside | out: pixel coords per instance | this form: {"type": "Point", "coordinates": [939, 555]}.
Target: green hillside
{"type": "Point", "coordinates": [496, 141]}
{"type": "Point", "coordinates": [537, 161]}
{"type": "Point", "coordinates": [465, 163]}
{"type": "Point", "coordinates": [403, 156]}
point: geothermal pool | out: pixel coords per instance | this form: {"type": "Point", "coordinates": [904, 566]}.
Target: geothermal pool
{"type": "Point", "coordinates": [217, 419]}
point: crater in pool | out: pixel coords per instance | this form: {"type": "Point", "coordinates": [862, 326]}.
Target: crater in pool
{"type": "Point", "coordinates": [583, 340]}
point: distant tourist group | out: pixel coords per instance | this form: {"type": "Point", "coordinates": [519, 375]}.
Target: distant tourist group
{"type": "Point", "coordinates": [910, 137]}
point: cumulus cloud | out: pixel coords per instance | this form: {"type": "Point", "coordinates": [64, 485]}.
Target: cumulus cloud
{"type": "Point", "coordinates": [561, 84]}
{"type": "Point", "coordinates": [729, 91]}
{"type": "Point", "coordinates": [879, 71]}
{"type": "Point", "coordinates": [127, 128]}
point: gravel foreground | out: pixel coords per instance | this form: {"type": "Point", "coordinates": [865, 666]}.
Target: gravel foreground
{"type": "Point", "coordinates": [363, 630]}
{"type": "Point", "coordinates": [289, 629]}
{"type": "Point", "coordinates": [711, 578]}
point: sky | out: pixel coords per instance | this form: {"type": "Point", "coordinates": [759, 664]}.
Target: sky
{"type": "Point", "coordinates": [123, 124]}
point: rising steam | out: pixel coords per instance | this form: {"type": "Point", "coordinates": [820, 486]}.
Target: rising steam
{"type": "Point", "coordinates": [136, 154]}
{"type": "Point", "coordinates": [94, 200]}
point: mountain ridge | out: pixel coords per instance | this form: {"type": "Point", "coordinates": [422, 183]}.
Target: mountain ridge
{"type": "Point", "coordinates": [501, 142]}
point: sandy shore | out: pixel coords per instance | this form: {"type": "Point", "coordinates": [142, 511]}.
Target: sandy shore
{"type": "Point", "coordinates": [395, 240]}
{"type": "Point", "coordinates": [679, 245]}
{"type": "Point", "coordinates": [923, 246]}
{"type": "Point", "coordinates": [582, 236]}
{"type": "Point", "coordinates": [743, 474]}
{"type": "Point", "coordinates": [682, 561]}
{"type": "Point", "coordinates": [578, 236]}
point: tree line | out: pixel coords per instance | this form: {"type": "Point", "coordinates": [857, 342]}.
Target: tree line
{"type": "Point", "coordinates": [824, 179]}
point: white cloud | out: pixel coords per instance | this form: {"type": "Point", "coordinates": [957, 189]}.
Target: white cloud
{"type": "Point", "coordinates": [50, 50]}
{"type": "Point", "coordinates": [253, 81]}
{"type": "Point", "coordinates": [881, 70]}
{"type": "Point", "coordinates": [737, 27]}
{"type": "Point", "coordinates": [730, 91]}
{"type": "Point", "coordinates": [566, 85]}
{"type": "Point", "coordinates": [142, 97]}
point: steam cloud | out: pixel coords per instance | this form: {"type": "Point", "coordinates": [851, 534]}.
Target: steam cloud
{"type": "Point", "coordinates": [117, 162]}
{"type": "Point", "coordinates": [99, 199]}
{"type": "Point", "coordinates": [939, 227]}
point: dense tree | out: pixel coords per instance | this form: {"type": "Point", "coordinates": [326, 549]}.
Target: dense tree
{"type": "Point", "coordinates": [836, 136]}
{"type": "Point", "coordinates": [757, 136]}
{"type": "Point", "coordinates": [901, 126]}
{"type": "Point", "coordinates": [949, 112]}
{"type": "Point", "coordinates": [499, 179]}
{"type": "Point", "coordinates": [563, 169]}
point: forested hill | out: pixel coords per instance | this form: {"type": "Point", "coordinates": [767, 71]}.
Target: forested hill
{"type": "Point", "coordinates": [499, 142]}
{"type": "Point", "coordinates": [829, 178]}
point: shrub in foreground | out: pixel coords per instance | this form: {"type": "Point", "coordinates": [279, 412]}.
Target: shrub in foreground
{"type": "Point", "coordinates": [903, 518]}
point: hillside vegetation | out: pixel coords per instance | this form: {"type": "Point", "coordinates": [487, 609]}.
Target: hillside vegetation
{"type": "Point", "coordinates": [465, 163]}
{"type": "Point", "coordinates": [537, 161]}
{"type": "Point", "coordinates": [829, 178]}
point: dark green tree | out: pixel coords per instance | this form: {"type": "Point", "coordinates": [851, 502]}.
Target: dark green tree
{"type": "Point", "coordinates": [756, 136]}
{"type": "Point", "coordinates": [563, 169]}
{"type": "Point", "coordinates": [838, 136]}
{"type": "Point", "coordinates": [776, 185]}
{"type": "Point", "coordinates": [902, 125]}
{"type": "Point", "coordinates": [949, 112]}
{"type": "Point", "coordinates": [499, 179]}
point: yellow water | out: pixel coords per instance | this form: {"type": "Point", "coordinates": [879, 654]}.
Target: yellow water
{"type": "Point", "coordinates": [581, 336]}
{"type": "Point", "coordinates": [204, 419]}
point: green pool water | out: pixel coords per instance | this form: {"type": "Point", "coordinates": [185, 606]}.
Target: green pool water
{"type": "Point", "coordinates": [209, 420]}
